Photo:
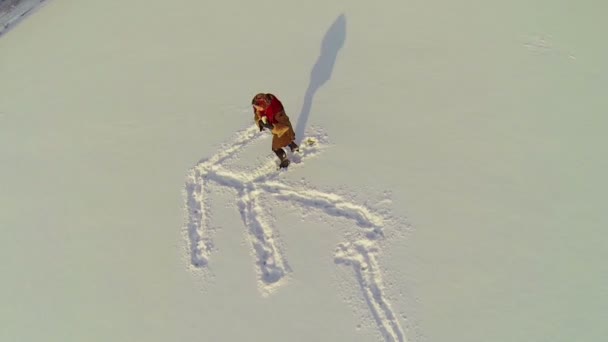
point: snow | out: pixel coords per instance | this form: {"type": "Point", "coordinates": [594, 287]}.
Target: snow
{"type": "Point", "coordinates": [454, 191]}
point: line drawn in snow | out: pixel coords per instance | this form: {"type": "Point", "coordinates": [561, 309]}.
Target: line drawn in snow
{"type": "Point", "coordinates": [361, 256]}
{"type": "Point", "coordinates": [270, 261]}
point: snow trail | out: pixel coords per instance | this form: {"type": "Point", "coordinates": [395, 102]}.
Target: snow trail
{"type": "Point", "coordinates": [270, 261]}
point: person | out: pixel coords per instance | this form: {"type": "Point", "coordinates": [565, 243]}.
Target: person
{"type": "Point", "coordinates": [269, 113]}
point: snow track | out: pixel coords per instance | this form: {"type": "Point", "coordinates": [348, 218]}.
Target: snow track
{"type": "Point", "coordinates": [270, 261]}
{"type": "Point", "coordinates": [361, 256]}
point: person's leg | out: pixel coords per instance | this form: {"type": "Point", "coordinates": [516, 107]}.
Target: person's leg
{"type": "Point", "coordinates": [280, 153]}
{"type": "Point", "coordinates": [277, 146]}
{"type": "Point", "coordinates": [294, 147]}
{"type": "Point", "coordinates": [282, 157]}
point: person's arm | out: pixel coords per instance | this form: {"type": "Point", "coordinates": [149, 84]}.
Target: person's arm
{"type": "Point", "coordinates": [262, 121]}
{"type": "Point", "coordinates": [258, 120]}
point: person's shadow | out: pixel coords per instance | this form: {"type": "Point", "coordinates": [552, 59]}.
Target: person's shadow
{"type": "Point", "coordinates": [321, 72]}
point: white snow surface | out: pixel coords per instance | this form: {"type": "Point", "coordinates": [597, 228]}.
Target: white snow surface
{"type": "Point", "coordinates": [450, 184]}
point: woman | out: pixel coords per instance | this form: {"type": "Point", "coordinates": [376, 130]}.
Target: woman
{"type": "Point", "coordinates": [269, 113]}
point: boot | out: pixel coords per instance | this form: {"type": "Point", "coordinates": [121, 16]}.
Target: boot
{"type": "Point", "coordinates": [282, 157]}
{"type": "Point", "coordinates": [294, 147]}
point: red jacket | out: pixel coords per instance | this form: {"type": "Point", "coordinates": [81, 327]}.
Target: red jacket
{"type": "Point", "coordinates": [274, 108]}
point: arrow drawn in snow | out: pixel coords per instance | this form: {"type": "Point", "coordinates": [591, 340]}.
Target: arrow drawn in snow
{"type": "Point", "coordinates": [270, 262]}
